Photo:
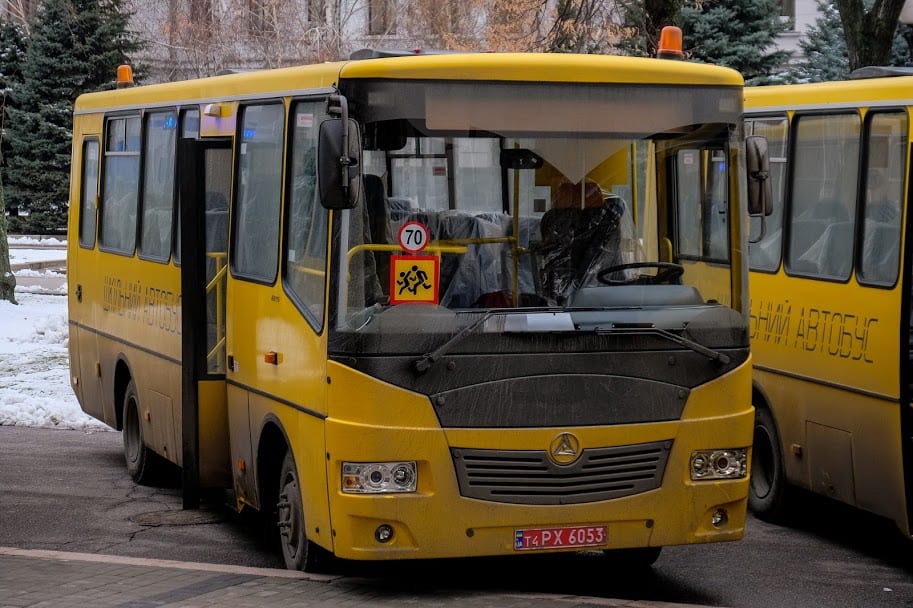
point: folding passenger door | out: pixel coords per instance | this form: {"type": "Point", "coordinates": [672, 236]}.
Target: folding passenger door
{"type": "Point", "coordinates": [205, 172]}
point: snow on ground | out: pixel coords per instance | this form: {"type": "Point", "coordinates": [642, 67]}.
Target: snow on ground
{"type": "Point", "coordinates": [19, 256]}
{"type": "Point", "coordinates": [34, 364]}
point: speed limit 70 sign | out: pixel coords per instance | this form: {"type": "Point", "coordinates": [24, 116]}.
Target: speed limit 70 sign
{"type": "Point", "coordinates": [413, 237]}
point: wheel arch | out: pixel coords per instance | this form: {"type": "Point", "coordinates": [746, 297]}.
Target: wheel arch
{"type": "Point", "coordinates": [759, 398]}
{"type": "Point", "coordinates": [122, 377]}
{"type": "Point", "coordinates": [272, 445]}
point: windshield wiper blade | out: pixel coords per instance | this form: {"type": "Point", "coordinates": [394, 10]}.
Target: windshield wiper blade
{"type": "Point", "coordinates": [713, 355]}
{"type": "Point", "coordinates": [424, 363]}
{"type": "Point", "coordinates": [697, 347]}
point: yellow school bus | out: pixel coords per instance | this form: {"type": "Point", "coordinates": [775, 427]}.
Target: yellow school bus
{"type": "Point", "coordinates": [830, 296]}
{"type": "Point", "coordinates": [425, 306]}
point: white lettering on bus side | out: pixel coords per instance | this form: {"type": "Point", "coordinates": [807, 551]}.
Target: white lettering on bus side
{"type": "Point", "coordinates": [836, 334]}
{"type": "Point", "coordinates": [153, 307]}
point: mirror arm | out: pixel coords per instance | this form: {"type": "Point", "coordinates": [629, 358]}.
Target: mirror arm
{"type": "Point", "coordinates": [344, 160]}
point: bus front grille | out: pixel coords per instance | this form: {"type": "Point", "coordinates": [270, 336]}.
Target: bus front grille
{"type": "Point", "coordinates": [529, 477]}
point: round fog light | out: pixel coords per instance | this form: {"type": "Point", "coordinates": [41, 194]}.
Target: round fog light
{"type": "Point", "coordinates": [384, 533]}
{"type": "Point", "coordinates": [719, 518]}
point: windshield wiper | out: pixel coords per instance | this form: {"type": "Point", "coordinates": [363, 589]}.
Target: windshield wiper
{"type": "Point", "coordinates": [697, 347]}
{"type": "Point", "coordinates": [424, 363]}
{"type": "Point", "coordinates": [713, 355]}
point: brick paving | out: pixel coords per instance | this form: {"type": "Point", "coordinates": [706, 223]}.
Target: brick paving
{"type": "Point", "coordinates": [52, 579]}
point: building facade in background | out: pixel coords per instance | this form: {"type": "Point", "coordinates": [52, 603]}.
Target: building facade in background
{"type": "Point", "coordinates": [193, 38]}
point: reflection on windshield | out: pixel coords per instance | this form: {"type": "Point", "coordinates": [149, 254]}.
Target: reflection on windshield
{"type": "Point", "coordinates": [456, 223]}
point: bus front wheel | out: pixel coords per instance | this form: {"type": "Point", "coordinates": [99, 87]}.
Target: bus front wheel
{"type": "Point", "coordinates": [140, 459]}
{"type": "Point", "coordinates": [767, 497]}
{"type": "Point", "coordinates": [299, 553]}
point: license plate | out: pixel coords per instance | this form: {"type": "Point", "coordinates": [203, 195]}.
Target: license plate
{"type": "Point", "coordinates": [557, 538]}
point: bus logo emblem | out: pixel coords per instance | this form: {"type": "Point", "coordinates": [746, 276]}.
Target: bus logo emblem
{"type": "Point", "coordinates": [564, 449]}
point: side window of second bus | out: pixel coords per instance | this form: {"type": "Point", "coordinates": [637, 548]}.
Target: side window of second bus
{"type": "Point", "coordinates": [886, 140]}
{"type": "Point", "coordinates": [823, 203]}
{"type": "Point", "coordinates": [764, 254]}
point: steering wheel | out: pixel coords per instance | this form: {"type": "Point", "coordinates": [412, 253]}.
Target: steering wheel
{"type": "Point", "coordinates": [666, 273]}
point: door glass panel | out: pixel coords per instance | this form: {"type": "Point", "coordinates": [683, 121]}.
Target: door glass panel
{"type": "Point", "coordinates": [218, 189]}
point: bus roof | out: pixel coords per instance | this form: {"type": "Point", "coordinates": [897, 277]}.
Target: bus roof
{"type": "Point", "coordinates": [517, 67]}
{"type": "Point", "coordinates": [543, 67]}
{"type": "Point", "coordinates": [893, 91]}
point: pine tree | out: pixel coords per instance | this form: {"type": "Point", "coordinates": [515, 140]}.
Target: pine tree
{"type": "Point", "coordinates": [13, 45]}
{"type": "Point", "coordinates": [736, 34]}
{"type": "Point", "coordinates": [824, 49]}
{"type": "Point", "coordinates": [13, 48]}
{"type": "Point", "coordinates": [641, 24]}
{"type": "Point", "coordinates": [75, 47]}
{"type": "Point", "coordinates": [824, 54]}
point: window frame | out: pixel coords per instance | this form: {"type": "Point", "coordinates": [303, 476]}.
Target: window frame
{"type": "Point", "coordinates": [788, 263]}
{"type": "Point", "coordinates": [779, 198]}
{"type": "Point", "coordinates": [144, 162]}
{"type": "Point", "coordinates": [317, 323]}
{"type": "Point", "coordinates": [236, 202]}
{"type": "Point", "coordinates": [863, 198]}
{"type": "Point", "coordinates": [83, 243]}
{"type": "Point", "coordinates": [103, 176]}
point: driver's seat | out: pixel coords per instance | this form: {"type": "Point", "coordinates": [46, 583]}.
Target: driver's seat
{"type": "Point", "coordinates": [575, 244]}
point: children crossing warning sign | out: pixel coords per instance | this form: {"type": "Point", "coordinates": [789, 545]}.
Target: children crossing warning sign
{"type": "Point", "coordinates": [414, 279]}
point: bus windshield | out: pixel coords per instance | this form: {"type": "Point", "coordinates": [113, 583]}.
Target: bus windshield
{"type": "Point", "coordinates": [531, 208]}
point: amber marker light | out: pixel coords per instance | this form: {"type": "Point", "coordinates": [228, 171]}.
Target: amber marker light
{"type": "Point", "coordinates": [670, 43]}
{"type": "Point", "coordinates": [124, 76]}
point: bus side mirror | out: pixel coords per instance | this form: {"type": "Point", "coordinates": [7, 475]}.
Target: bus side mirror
{"type": "Point", "coordinates": [760, 193]}
{"type": "Point", "coordinates": [337, 168]}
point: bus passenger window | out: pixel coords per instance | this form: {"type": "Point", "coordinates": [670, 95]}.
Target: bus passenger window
{"type": "Point", "coordinates": [158, 185]}
{"type": "Point", "coordinates": [765, 254]}
{"type": "Point", "coordinates": [824, 195]}
{"type": "Point", "coordinates": [121, 185]}
{"type": "Point", "coordinates": [256, 230]}
{"type": "Point", "coordinates": [887, 144]}
{"type": "Point", "coordinates": [89, 195]}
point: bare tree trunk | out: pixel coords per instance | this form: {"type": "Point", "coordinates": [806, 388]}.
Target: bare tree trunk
{"type": "Point", "coordinates": [7, 279]}
{"type": "Point", "coordinates": [869, 33]}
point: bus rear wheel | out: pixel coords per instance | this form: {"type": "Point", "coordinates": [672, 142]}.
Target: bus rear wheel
{"type": "Point", "coordinates": [767, 496]}
{"type": "Point", "coordinates": [141, 461]}
{"type": "Point", "coordinates": [298, 552]}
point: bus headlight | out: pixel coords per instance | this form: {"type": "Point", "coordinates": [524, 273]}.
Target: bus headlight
{"type": "Point", "coordinates": [379, 477]}
{"type": "Point", "coordinates": [719, 464]}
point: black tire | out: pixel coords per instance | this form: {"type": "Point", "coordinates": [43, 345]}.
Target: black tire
{"type": "Point", "coordinates": [298, 552]}
{"type": "Point", "coordinates": [768, 490]}
{"type": "Point", "coordinates": [633, 559]}
{"type": "Point", "coordinates": [141, 461]}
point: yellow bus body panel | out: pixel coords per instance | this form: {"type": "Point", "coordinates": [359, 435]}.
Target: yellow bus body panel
{"type": "Point", "coordinates": [826, 353]}
{"type": "Point", "coordinates": [380, 422]}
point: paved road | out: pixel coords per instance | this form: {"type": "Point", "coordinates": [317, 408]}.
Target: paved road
{"type": "Point", "coordinates": [68, 491]}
